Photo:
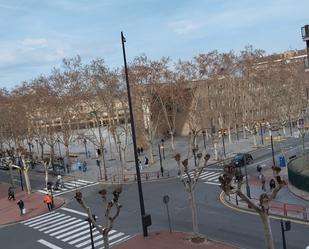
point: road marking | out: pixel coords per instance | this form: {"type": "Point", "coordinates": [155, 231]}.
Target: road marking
{"type": "Point", "coordinates": [75, 233]}
{"type": "Point", "coordinates": [61, 217]}
{"type": "Point", "coordinates": [109, 238]}
{"type": "Point", "coordinates": [74, 211]}
{"type": "Point", "coordinates": [83, 237]}
{"type": "Point", "coordinates": [67, 219]}
{"type": "Point", "coordinates": [48, 244]}
{"type": "Point", "coordinates": [225, 203]}
{"type": "Point", "coordinates": [40, 219]}
{"type": "Point", "coordinates": [213, 183]}
{"type": "Point", "coordinates": [26, 221]}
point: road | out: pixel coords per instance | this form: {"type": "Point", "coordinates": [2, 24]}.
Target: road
{"type": "Point", "coordinates": [215, 220]}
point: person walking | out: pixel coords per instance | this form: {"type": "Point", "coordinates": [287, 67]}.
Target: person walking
{"type": "Point", "coordinates": [21, 206]}
{"type": "Point", "coordinates": [146, 161]}
{"type": "Point", "coordinates": [272, 184]}
{"type": "Point", "coordinates": [263, 180]}
{"type": "Point", "coordinates": [138, 151]}
{"type": "Point", "coordinates": [142, 150]}
{"type": "Point", "coordinates": [11, 193]}
{"type": "Point", "coordinates": [48, 202]}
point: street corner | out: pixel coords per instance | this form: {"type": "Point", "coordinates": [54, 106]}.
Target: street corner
{"type": "Point", "coordinates": [33, 205]}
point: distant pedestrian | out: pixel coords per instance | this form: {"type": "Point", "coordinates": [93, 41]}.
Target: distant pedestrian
{"type": "Point", "coordinates": [11, 194]}
{"type": "Point", "coordinates": [142, 150]}
{"type": "Point", "coordinates": [48, 201]}
{"type": "Point", "coordinates": [259, 168]}
{"type": "Point", "coordinates": [146, 161]}
{"type": "Point", "coordinates": [84, 166]}
{"type": "Point", "coordinates": [140, 165]}
{"type": "Point", "coordinates": [21, 206]}
{"type": "Point", "coordinates": [138, 151]}
{"type": "Point", "coordinates": [263, 181]}
{"type": "Point", "coordinates": [88, 154]}
{"type": "Point", "coordinates": [67, 166]}
{"type": "Point", "coordinates": [272, 184]}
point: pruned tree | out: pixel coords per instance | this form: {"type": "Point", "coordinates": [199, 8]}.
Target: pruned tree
{"type": "Point", "coordinates": [190, 180]}
{"type": "Point", "coordinates": [111, 211]}
{"type": "Point", "coordinates": [231, 182]}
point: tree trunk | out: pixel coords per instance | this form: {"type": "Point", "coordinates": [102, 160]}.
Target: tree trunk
{"type": "Point", "coordinates": [284, 131]}
{"type": "Point", "coordinates": [172, 141]}
{"type": "Point", "coordinates": [27, 181]}
{"type": "Point", "coordinates": [254, 139]}
{"type": "Point", "coordinates": [194, 212]}
{"type": "Point", "coordinates": [230, 135]}
{"type": "Point", "coordinates": [244, 131]}
{"type": "Point", "coordinates": [11, 176]}
{"type": "Point", "coordinates": [267, 231]}
{"type": "Point", "coordinates": [151, 153]}
{"type": "Point", "coordinates": [105, 240]}
{"type": "Point", "coordinates": [215, 151]}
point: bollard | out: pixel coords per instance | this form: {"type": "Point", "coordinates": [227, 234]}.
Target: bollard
{"type": "Point", "coordinates": [158, 175]}
{"type": "Point", "coordinates": [135, 177]}
{"type": "Point", "coordinates": [147, 176]}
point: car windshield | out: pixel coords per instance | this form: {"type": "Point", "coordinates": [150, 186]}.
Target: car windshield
{"type": "Point", "coordinates": [238, 157]}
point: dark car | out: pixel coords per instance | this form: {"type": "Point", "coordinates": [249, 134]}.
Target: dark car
{"type": "Point", "coordinates": [241, 159]}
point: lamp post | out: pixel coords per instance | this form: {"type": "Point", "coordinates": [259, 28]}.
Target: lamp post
{"type": "Point", "coordinates": [223, 144]}
{"type": "Point", "coordinates": [146, 219]}
{"type": "Point", "coordinates": [162, 146]}
{"type": "Point", "coordinates": [29, 144]}
{"type": "Point", "coordinates": [161, 167]}
{"type": "Point", "coordinates": [272, 149]}
{"type": "Point", "coordinates": [20, 175]}
{"type": "Point", "coordinates": [50, 188]}
{"type": "Point", "coordinates": [204, 138]}
{"type": "Point", "coordinates": [37, 146]}
{"type": "Point", "coordinates": [58, 141]}
{"type": "Point", "coordinates": [90, 229]}
{"type": "Point", "coordinates": [85, 144]}
{"type": "Point", "coordinates": [261, 132]}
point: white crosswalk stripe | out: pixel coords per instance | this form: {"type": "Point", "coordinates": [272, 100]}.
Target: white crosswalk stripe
{"type": "Point", "coordinates": [71, 230]}
{"type": "Point", "coordinates": [69, 186]}
{"type": "Point", "coordinates": [208, 176]}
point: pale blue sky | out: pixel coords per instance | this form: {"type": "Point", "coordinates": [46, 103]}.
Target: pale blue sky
{"type": "Point", "coordinates": [37, 34]}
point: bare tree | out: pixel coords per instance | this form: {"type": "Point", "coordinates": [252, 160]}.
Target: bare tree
{"type": "Point", "coordinates": [232, 175]}
{"type": "Point", "coordinates": [190, 180]}
{"type": "Point", "coordinates": [111, 211]}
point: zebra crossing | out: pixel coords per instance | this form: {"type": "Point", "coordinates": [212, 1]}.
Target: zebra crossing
{"type": "Point", "coordinates": [69, 186]}
{"type": "Point", "coordinates": [209, 176]}
{"type": "Point", "coordinates": [71, 230]}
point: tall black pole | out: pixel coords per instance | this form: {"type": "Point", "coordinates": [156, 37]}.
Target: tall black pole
{"type": "Point", "coordinates": [138, 176]}
{"type": "Point", "coordinates": [85, 143]}
{"type": "Point", "coordinates": [223, 144]}
{"type": "Point", "coordinates": [204, 139]}
{"type": "Point", "coordinates": [290, 126]}
{"type": "Point", "coordinates": [272, 149]}
{"type": "Point", "coordinates": [283, 235]}
{"type": "Point", "coordinates": [261, 131]}
{"type": "Point", "coordinates": [161, 167]}
{"type": "Point", "coordinates": [91, 235]}
{"type": "Point", "coordinates": [237, 132]}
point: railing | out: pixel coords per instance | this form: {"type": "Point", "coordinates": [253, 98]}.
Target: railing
{"type": "Point", "coordinates": [145, 176]}
{"type": "Point", "coordinates": [276, 208]}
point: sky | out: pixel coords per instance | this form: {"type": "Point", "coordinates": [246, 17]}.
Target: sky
{"type": "Point", "coordinates": [37, 34]}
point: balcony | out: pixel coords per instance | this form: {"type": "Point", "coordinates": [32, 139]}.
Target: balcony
{"type": "Point", "coordinates": [306, 64]}
{"type": "Point", "coordinates": [305, 33]}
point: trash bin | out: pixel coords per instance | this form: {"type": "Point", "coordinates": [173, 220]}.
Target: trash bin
{"type": "Point", "coordinates": [282, 161]}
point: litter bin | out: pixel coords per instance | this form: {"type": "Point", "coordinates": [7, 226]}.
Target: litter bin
{"type": "Point", "coordinates": [282, 161]}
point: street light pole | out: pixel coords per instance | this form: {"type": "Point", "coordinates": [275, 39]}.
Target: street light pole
{"type": "Point", "coordinates": [59, 148]}
{"type": "Point", "coordinates": [261, 131]}
{"type": "Point", "coordinates": [162, 140]}
{"type": "Point", "coordinates": [21, 180]}
{"type": "Point", "coordinates": [222, 135]}
{"type": "Point", "coordinates": [161, 167]}
{"type": "Point", "coordinates": [85, 143]}
{"type": "Point", "coordinates": [37, 146]}
{"type": "Point", "coordinates": [272, 149]}
{"type": "Point", "coordinates": [146, 219]}
{"type": "Point", "coordinates": [204, 138]}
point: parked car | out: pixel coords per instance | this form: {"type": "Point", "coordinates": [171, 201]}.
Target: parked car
{"type": "Point", "coordinates": [4, 163]}
{"type": "Point", "coordinates": [241, 159]}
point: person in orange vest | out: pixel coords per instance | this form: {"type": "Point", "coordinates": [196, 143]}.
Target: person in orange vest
{"type": "Point", "coordinates": [48, 201]}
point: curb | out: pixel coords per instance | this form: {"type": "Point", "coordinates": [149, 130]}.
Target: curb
{"type": "Point", "coordinates": [228, 204]}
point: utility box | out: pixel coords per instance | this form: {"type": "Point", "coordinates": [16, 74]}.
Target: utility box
{"type": "Point", "coordinates": [282, 161]}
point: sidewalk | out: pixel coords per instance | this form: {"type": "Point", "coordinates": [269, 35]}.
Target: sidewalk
{"type": "Point", "coordinates": [166, 240]}
{"type": "Point", "coordinates": [33, 203]}
{"type": "Point", "coordinates": [286, 204]}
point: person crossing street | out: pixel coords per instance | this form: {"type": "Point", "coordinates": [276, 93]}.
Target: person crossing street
{"type": "Point", "coordinates": [48, 201]}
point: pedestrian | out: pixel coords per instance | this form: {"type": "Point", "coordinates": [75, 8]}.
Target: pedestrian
{"type": "Point", "coordinates": [21, 206]}
{"type": "Point", "coordinates": [140, 164]}
{"type": "Point", "coordinates": [146, 161]}
{"type": "Point", "coordinates": [84, 166]}
{"type": "Point", "coordinates": [138, 151]}
{"type": "Point", "coordinates": [142, 150]}
{"type": "Point", "coordinates": [11, 194]}
{"type": "Point", "coordinates": [89, 154]}
{"type": "Point", "coordinates": [48, 201]}
{"type": "Point", "coordinates": [272, 184]}
{"type": "Point", "coordinates": [259, 168]}
{"type": "Point", "coordinates": [263, 180]}
{"type": "Point", "coordinates": [68, 168]}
